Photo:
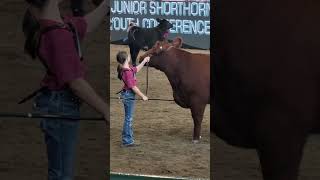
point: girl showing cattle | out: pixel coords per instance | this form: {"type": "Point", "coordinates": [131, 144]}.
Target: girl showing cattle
{"type": "Point", "coordinates": [126, 73]}
{"type": "Point", "coordinates": [54, 40]}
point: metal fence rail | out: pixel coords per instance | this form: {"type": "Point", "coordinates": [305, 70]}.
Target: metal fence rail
{"type": "Point", "coordinates": [125, 176]}
{"type": "Point", "coordinates": [52, 116]}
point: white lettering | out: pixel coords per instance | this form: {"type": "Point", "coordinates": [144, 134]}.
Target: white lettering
{"type": "Point", "coordinates": [144, 14]}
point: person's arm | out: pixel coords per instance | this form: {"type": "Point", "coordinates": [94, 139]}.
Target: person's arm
{"type": "Point", "coordinates": [137, 91]}
{"type": "Point", "coordinates": [95, 17]}
{"type": "Point", "coordinates": [140, 66]}
{"type": "Point", "coordinates": [83, 90]}
{"type": "Point", "coordinates": [65, 64]}
{"type": "Point", "coordinates": [130, 83]}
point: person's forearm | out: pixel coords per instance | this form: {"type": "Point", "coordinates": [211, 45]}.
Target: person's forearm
{"type": "Point", "coordinates": [84, 91]}
{"type": "Point", "coordinates": [140, 66]}
{"type": "Point", "coordinates": [137, 91]}
{"type": "Point", "coordinates": [95, 17]}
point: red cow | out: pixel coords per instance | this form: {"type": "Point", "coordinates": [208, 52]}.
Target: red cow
{"type": "Point", "coordinates": [189, 76]}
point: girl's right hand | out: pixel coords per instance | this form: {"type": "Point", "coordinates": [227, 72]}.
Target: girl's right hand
{"type": "Point", "coordinates": [145, 98]}
{"type": "Point", "coordinates": [146, 59]}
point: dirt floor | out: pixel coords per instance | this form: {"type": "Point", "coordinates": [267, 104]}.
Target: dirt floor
{"type": "Point", "coordinates": [163, 128]}
{"type": "Point", "coordinates": [23, 152]}
{"type": "Point", "coordinates": [230, 163]}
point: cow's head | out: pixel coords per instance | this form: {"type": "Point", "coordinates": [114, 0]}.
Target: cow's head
{"type": "Point", "coordinates": [164, 25]}
{"type": "Point", "coordinates": [159, 48]}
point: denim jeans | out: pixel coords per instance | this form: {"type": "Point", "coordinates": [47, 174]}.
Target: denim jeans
{"type": "Point", "coordinates": [60, 134]}
{"type": "Point", "coordinates": [128, 103]}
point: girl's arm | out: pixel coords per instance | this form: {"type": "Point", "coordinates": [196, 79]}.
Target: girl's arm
{"type": "Point", "coordinates": [140, 66]}
{"type": "Point", "coordinates": [83, 90]}
{"type": "Point", "coordinates": [95, 17]}
{"type": "Point", "coordinates": [137, 91]}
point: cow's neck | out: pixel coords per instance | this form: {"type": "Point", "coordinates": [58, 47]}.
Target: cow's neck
{"type": "Point", "coordinates": [168, 64]}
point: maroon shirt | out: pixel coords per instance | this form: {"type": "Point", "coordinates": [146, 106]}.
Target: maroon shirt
{"type": "Point", "coordinates": [129, 78]}
{"type": "Point", "coordinates": [57, 48]}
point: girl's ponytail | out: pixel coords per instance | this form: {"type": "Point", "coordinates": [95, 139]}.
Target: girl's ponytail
{"type": "Point", "coordinates": [121, 58]}
{"type": "Point", "coordinates": [37, 3]}
{"type": "Point", "coordinates": [31, 30]}
{"type": "Point", "coordinates": [119, 70]}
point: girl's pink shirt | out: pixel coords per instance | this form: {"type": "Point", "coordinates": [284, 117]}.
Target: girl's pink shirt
{"type": "Point", "coordinates": [129, 78]}
{"type": "Point", "coordinates": [58, 50]}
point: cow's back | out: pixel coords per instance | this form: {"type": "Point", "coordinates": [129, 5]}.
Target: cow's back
{"type": "Point", "coordinates": [267, 61]}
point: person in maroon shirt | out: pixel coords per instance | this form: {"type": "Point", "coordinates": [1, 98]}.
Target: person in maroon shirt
{"type": "Point", "coordinates": [54, 40]}
{"type": "Point", "coordinates": [126, 73]}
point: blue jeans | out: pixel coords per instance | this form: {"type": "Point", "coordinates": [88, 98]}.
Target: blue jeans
{"type": "Point", "coordinates": [60, 134]}
{"type": "Point", "coordinates": [128, 103]}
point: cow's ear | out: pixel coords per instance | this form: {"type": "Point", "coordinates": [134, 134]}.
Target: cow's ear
{"type": "Point", "coordinates": [157, 45]}
{"type": "Point", "coordinates": [177, 42]}
{"type": "Point", "coordinates": [158, 19]}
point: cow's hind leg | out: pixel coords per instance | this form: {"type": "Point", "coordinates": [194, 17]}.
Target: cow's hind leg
{"type": "Point", "coordinates": [280, 145]}
{"type": "Point", "coordinates": [197, 111]}
{"type": "Point", "coordinates": [281, 161]}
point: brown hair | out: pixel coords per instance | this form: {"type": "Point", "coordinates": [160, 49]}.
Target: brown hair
{"type": "Point", "coordinates": [37, 3]}
{"type": "Point", "coordinates": [121, 58]}
{"type": "Point", "coordinates": [31, 28]}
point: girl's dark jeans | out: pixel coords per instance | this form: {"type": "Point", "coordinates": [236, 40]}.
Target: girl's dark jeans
{"type": "Point", "coordinates": [128, 103]}
{"type": "Point", "coordinates": [60, 134]}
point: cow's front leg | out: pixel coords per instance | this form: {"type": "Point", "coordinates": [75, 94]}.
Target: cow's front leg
{"type": "Point", "coordinates": [134, 51]}
{"type": "Point", "coordinates": [280, 138]}
{"type": "Point", "coordinates": [197, 110]}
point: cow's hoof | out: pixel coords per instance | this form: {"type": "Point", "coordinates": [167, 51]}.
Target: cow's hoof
{"type": "Point", "coordinates": [195, 141]}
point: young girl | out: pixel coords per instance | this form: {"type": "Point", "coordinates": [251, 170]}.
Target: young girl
{"type": "Point", "coordinates": [55, 42]}
{"type": "Point", "coordinates": [126, 73]}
